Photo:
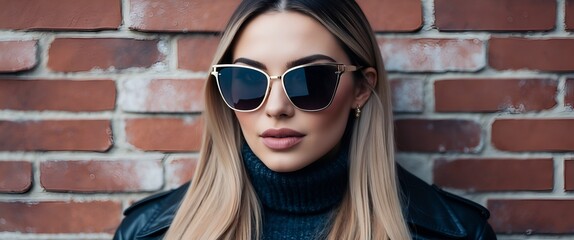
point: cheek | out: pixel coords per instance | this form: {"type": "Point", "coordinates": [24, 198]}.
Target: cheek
{"type": "Point", "coordinates": [334, 118]}
{"type": "Point", "coordinates": [344, 98]}
{"type": "Point", "coordinates": [246, 120]}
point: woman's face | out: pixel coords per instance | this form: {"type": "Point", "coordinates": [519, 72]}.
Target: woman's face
{"type": "Point", "coordinates": [285, 138]}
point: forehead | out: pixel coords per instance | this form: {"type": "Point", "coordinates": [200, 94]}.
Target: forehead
{"type": "Point", "coordinates": [275, 38]}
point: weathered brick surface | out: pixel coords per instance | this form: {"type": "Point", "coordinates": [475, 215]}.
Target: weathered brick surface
{"type": "Point", "coordinates": [552, 54]}
{"type": "Point", "coordinates": [179, 171]}
{"type": "Point", "coordinates": [407, 94]}
{"type": "Point", "coordinates": [101, 176]}
{"type": "Point", "coordinates": [533, 134]}
{"type": "Point", "coordinates": [60, 14]}
{"type": "Point", "coordinates": [84, 54]}
{"type": "Point", "coordinates": [569, 95]}
{"type": "Point", "coordinates": [15, 176]}
{"type": "Point", "coordinates": [165, 134]}
{"type": "Point", "coordinates": [59, 95]}
{"type": "Point", "coordinates": [181, 16]}
{"type": "Point", "coordinates": [17, 55]}
{"type": "Point", "coordinates": [569, 15]}
{"type": "Point", "coordinates": [495, 15]}
{"type": "Point", "coordinates": [489, 174]}
{"type": "Point", "coordinates": [446, 135]}
{"type": "Point", "coordinates": [60, 216]}
{"type": "Point", "coordinates": [390, 15]}
{"type": "Point", "coordinates": [162, 95]}
{"type": "Point", "coordinates": [56, 135]}
{"type": "Point", "coordinates": [489, 95]}
{"type": "Point", "coordinates": [432, 54]}
{"type": "Point", "coordinates": [569, 174]}
{"type": "Point", "coordinates": [532, 216]}
{"type": "Point", "coordinates": [196, 53]}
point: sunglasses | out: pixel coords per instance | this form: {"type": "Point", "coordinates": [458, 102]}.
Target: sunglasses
{"type": "Point", "coordinates": [309, 87]}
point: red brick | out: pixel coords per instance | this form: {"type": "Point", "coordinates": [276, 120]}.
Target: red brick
{"type": "Point", "coordinates": [101, 176]}
{"type": "Point", "coordinates": [63, 95]}
{"type": "Point", "coordinates": [60, 14]}
{"type": "Point", "coordinates": [445, 135]}
{"type": "Point", "coordinates": [17, 55]}
{"type": "Point", "coordinates": [477, 175]}
{"type": "Point", "coordinates": [391, 15]}
{"type": "Point", "coordinates": [180, 171]}
{"type": "Point", "coordinates": [162, 95]}
{"type": "Point", "coordinates": [181, 16]}
{"type": "Point", "coordinates": [495, 15]}
{"type": "Point", "coordinates": [533, 134]}
{"type": "Point", "coordinates": [407, 95]}
{"type": "Point", "coordinates": [532, 216]}
{"type": "Point", "coordinates": [535, 54]}
{"type": "Point", "coordinates": [490, 95]}
{"type": "Point", "coordinates": [15, 176]}
{"type": "Point", "coordinates": [569, 175]}
{"type": "Point", "coordinates": [569, 97]}
{"type": "Point", "coordinates": [84, 54]}
{"type": "Point", "coordinates": [432, 54]}
{"type": "Point", "coordinates": [196, 53]}
{"type": "Point", "coordinates": [165, 134]}
{"type": "Point", "coordinates": [570, 15]}
{"type": "Point", "coordinates": [56, 135]}
{"type": "Point", "coordinates": [60, 217]}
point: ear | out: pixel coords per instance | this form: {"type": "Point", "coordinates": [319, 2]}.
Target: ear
{"type": "Point", "coordinates": [363, 89]}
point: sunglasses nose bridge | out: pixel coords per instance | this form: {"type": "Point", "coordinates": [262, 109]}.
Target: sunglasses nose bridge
{"type": "Point", "coordinates": [271, 78]}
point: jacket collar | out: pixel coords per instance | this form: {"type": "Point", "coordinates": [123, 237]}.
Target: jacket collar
{"type": "Point", "coordinates": [423, 207]}
{"type": "Point", "coordinates": [164, 213]}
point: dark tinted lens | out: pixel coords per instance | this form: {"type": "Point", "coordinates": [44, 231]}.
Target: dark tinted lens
{"type": "Point", "coordinates": [311, 87]}
{"type": "Point", "coordinates": [242, 88]}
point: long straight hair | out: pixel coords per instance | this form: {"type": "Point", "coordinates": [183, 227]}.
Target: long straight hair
{"type": "Point", "coordinates": [221, 202]}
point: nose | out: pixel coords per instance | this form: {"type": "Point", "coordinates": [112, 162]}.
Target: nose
{"type": "Point", "coordinates": [277, 104]}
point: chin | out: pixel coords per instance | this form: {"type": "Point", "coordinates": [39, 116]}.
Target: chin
{"type": "Point", "coordinates": [284, 166]}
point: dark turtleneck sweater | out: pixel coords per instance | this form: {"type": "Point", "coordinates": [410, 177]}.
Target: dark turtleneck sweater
{"type": "Point", "coordinates": [300, 204]}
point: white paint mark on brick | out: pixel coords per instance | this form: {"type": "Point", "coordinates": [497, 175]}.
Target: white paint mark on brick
{"type": "Point", "coordinates": [166, 96]}
{"type": "Point", "coordinates": [161, 95]}
{"type": "Point", "coordinates": [163, 48]}
{"type": "Point", "coordinates": [15, 55]}
{"type": "Point", "coordinates": [407, 95]}
{"type": "Point", "coordinates": [179, 171]}
{"type": "Point", "coordinates": [138, 13]}
{"type": "Point", "coordinates": [133, 97]}
{"type": "Point", "coordinates": [435, 55]}
{"type": "Point", "coordinates": [149, 175]}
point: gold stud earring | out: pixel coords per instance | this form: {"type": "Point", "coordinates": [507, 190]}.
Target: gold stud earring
{"type": "Point", "coordinates": [358, 111]}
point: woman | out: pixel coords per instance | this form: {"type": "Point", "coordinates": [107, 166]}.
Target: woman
{"type": "Point", "coordinates": [298, 141]}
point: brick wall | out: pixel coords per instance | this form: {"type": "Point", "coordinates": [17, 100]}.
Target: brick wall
{"type": "Point", "coordinates": [100, 106]}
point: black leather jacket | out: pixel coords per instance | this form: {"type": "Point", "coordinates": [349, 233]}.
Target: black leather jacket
{"type": "Point", "coordinates": [430, 212]}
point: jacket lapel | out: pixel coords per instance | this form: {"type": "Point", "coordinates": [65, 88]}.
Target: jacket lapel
{"type": "Point", "coordinates": [425, 208]}
{"type": "Point", "coordinates": [164, 214]}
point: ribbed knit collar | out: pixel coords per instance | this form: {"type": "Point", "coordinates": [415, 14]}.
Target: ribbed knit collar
{"type": "Point", "coordinates": [316, 188]}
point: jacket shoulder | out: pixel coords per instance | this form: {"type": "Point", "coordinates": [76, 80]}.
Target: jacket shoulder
{"type": "Point", "coordinates": [150, 217]}
{"type": "Point", "coordinates": [472, 216]}
{"type": "Point", "coordinates": [146, 202]}
{"type": "Point", "coordinates": [434, 213]}
{"type": "Point", "coordinates": [463, 202]}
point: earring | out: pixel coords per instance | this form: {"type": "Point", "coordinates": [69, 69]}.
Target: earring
{"type": "Point", "coordinates": [358, 111]}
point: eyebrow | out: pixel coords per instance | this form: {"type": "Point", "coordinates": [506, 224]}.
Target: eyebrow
{"type": "Point", "coordinates": [297, 62]}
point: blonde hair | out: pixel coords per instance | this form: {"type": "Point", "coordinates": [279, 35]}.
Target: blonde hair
{"type": "Point", "coordinates": [221, 202]}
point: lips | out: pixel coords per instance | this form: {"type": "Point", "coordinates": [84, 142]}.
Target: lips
{"type": "Point", "coordinates": [281, 139]}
